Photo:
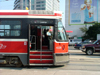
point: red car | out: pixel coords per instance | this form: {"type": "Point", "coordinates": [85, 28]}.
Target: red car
{"type": "Point", "coordinates": [91, 48]}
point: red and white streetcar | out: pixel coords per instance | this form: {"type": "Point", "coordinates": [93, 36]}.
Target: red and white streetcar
{"type": "Point", "coordinates": [35, 38]}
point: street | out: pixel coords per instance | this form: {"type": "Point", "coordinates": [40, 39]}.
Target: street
{"type": "Point", "coordinates": [80, 64]}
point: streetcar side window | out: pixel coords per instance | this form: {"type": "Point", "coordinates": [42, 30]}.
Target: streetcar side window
{"type": "Point", "coordinates": [7, 26]}
{"type": "Point", "coordinates": [1, 32]}
{"type": "Point", "coordinates": [10, 28]}
{"type": "Point", "coordinates": [61, 32]}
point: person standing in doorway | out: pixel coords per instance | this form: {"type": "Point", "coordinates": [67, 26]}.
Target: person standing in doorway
{"type": "Point", "coordinates": [48, 34]}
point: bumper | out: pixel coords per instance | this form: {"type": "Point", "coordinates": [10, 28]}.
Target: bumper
{"type": "Point", "coordinates": [61, 59]}
{"type": "Point", "coordinates": [76, 47]}
{"type": "Point", "coordinates": [83, 49]}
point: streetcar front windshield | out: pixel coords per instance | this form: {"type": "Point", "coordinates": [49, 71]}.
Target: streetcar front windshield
{"type": "Point", "coordinates": [61, 32]}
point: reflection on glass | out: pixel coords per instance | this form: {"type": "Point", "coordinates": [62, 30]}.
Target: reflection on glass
{"type": "Point", "coordinates": [10, 28]}
{"type": "Point", "coordinates": [15, 32]}
{"type": "Point", "coordinates": [61, 34]}
{"type": "Point", "coordinates": [60, 24]}
{"type": "Point", "coordinates": [7, 26]}
{"type": "Point", "coordinates": [61, 31]}
{"type": "Point", "coordinates": [1, 26]}
{"type": "Point", "coordinates": [7, 32]}
{"type": "Point", "coordinates": [1, 32]}
{"type": "Point", "coordinates": [17, 27]}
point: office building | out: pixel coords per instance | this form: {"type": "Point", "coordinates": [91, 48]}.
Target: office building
{"type": "Point", "coordinates": [36, 5]}
{"type": "Point", "coordinates": [77, 15]}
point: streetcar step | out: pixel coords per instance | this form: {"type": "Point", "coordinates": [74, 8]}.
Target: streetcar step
{"type": "Point", "coordinates": [44, 47]}
{"type": "Point", "coordinates": [41, 56]}
{"type": "Point", "coordinates": [38, 52]}
{"type": "Point", "coordinates": [36, 61]}
{"type": "Point", "coordinates": [41, 64]}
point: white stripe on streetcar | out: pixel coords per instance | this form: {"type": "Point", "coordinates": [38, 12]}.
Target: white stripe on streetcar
{"type": "Point", "coordinates": [59, 42]}
{"type": "Point", "coordinates": [13, 39]}
{"type": "Point", "coordinates": [14, 16]}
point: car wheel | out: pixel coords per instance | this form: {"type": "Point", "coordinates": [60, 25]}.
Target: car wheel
{"type": "Point", "coordinates": [89, 52]}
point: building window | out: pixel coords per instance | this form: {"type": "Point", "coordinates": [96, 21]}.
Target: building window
{"type": "Point", "coordinates": [18, 7]}
{"type": "Point", "coordinates": [32, 7]}
{"type": "Point", "coordinates": [10, 28]}
{"type": "Point", "coordinates": [37, 5]}
{"type": "Point", "coordinates": [32, 2]}
{"type": "Point", "coordinates": [23, 7]}
{"type": "Point", "coordinates": [27, 2]}
{"type": "Point", "coordinates": [23, 4]}
{"type": "Point", "coordinates": [40, 2]}
{"type": "Point", "coordinates": [40, 5]}
{"type": "Point", "coordinates": [40, 8]}
{"type": "Point", "coordinates": [43, 8]}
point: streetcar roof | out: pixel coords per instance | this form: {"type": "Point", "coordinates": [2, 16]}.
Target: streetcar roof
{"type": "Point", "coordinates": [30, 14]}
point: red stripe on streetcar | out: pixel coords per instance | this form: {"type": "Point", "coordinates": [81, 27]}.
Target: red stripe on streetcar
{"type": "Point", "coordinates": [13, 13]}
{"type": "Point", "coordinates": [26, 13]}
{"type": "Point", "coordinates": [58, 14]}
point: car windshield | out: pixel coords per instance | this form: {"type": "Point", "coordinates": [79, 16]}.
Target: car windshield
{"type": "Point", "coordinates": [95, 41]}
{"type": "Point", "coordinates": [87, 41]}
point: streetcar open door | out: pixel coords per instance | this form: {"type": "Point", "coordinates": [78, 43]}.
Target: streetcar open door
{"type": "Point", "coordinates": [40, 45]}
{"type": "Point", "coordinates": [48, 50]}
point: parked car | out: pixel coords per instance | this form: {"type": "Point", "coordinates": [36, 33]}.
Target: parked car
{"type": "Point", "coordinates": [74, 41]}
{"type": "Point", "coordinates": [91, 48]}
{"type": "Point", "coordinates": [79, 45]}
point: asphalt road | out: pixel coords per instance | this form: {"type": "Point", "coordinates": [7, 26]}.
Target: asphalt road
{"type": "Point", "coordinates": [80, 64]}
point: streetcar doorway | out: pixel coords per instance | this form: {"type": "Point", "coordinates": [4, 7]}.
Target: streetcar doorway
{"type": "Point", "coordinates": [41, 38]}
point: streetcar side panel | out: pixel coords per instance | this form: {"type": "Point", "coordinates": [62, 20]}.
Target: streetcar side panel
{"type": "Point", "coordinates": [14, 38]}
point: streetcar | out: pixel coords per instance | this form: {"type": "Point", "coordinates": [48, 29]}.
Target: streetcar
{"type": "Point", "coordinates": [24, 38]}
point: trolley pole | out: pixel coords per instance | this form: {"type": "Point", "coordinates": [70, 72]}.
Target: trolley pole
{"type": "Point", "coordinates": [29, 4]}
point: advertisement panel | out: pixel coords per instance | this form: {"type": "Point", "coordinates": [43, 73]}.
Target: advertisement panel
{"type": "Point", "coordinates": [83, 12]}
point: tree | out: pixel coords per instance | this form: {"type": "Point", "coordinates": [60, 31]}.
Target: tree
{"type": "Point", "coordinates": [92, 32]}
{"type": "Point", "coordinates": [83, 29]}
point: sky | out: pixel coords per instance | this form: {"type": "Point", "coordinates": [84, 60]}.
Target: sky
{"type": "Point", "coordinates": [62, 8]}
{"type": "Point", "coordinates": [8, 5]}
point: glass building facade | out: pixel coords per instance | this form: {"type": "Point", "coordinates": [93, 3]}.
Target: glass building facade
{"type": "Point", "coordinates": [36, 5]}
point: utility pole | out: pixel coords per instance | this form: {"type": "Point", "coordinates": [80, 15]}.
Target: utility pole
{"type": "Point", "coordinates": [29, 4]}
